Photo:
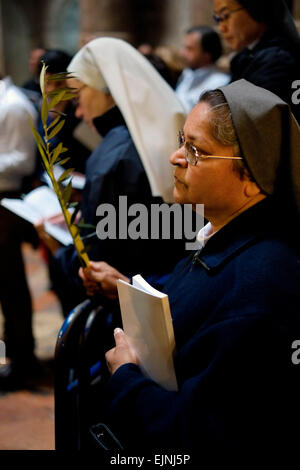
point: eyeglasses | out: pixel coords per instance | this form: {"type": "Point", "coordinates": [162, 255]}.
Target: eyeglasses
{"type": "Point", "coordinates": [193, 154]}
{"type": "Point", "coordinates": [225, 16]}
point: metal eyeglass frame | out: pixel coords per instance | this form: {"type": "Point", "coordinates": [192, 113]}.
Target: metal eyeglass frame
{"type": "Point", "coordinates": [193, 154]}
{"type": "Point", "coordinates": [225, 16]}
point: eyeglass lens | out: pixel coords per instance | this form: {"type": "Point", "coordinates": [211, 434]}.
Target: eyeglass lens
{"type": "Point", "coordinates": [190, 150]}
{"type": "Point", "coordinates": [224, 16]}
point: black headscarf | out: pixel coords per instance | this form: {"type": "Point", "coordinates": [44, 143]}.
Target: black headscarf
{"type": "Point", "coordinates": [269, 137]}
{"type": "Point", "coordinates": [276, 15]}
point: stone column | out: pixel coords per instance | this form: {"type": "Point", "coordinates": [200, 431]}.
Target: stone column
{"type": "Point", "coordinates": [2, 63]}
{"type": "Point", "coordinates": [176, 21]}
{"type": "Point", "coordinates": [181, 15]}
{"type": "Point", "coordinates": [105, 18]}
{"type": "Point", "coordinates": [33, 18]}
{"type": "Point", "coordinates": [201, 12]}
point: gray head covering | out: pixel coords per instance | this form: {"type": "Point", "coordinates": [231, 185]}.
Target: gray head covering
{"type": "Point", "coordinates": [276, 15]}
{"type": "Point", "coordinates": [269, 137]}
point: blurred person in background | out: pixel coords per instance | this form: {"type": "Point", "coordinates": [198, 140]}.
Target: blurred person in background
{"type": "Point", "coordinates": [267, 43]}
{"type": "Point", "coordinates": [33, 83]}
{"type": "Point", "coordinates": [57, 61]}
{"type": "Point", "coordinates": [145, 48]}
{"type": "Point", "coordinates": [172, 57]}
{"type": "Point", "coordinates": [31, 88]}
{"type": "Point", "coordinates": [160, 65]}
{"type": "Point", "coordinates": [17, 160]}
{"type": "Point", "coordinates": [200, 51]}
{"type": "Point", "coordinates": [158, 61]}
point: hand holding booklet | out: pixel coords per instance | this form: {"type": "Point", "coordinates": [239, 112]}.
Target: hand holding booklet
{"type": "Point", "coordinates": [41, 202]}
{"type": "Point", "coordinates": [147, 322]}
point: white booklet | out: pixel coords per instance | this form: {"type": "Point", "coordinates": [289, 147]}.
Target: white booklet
{"type": "Point", "coordinates": [147, 322]}
{"type": "Point", "coordinates": [78, 179]}
{"type": "Point", "coordinates": [41, 202]}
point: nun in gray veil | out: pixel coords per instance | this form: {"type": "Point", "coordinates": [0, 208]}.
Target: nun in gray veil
{"type": "Point", "coordinates": [235, 305]}
{"type": "Point", "coordinates": [269, 138]}
{"type": "Point", "coordinates": [265, 37]}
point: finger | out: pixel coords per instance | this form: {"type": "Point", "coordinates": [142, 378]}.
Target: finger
{"type": "Point", "coordinates": [89, 282]}
{"type": "Point", "coordinates": [108, 358]}
{"type": "Point", "coordinates": [96, 276]}
{"type": "Point", "coordinates": [95, 265]}
{"type": "Point", "coordinates": [81, 273]}
{"type": "Point", "coordinates": [108, 354]}
{"type": "Point", "coordinates": [120, 337]}
{"type": "Point", "coordinates": [84, 275]}
{"type": "Point", "coordinates": [87, 273]}
{"type": "Point", "coordinates": [92, 290]}
{"type": "Point", "coordinates": [99, 265]}
{"type": "Point", "coordinates": [39, 227]}
{"type": "Point", "coordinates": [39, 222]}
{"type": "Point", "coordinates": [90, 285]}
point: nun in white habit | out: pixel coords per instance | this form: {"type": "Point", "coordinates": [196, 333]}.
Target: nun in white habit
{"type": "Point", "coordinates": [138, 116]}
{"type": "Point", "coordinates": [147, 103]}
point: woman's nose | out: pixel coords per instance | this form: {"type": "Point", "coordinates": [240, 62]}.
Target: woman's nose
{"type": "Point", "coordinates": [78, 112]}
{"type": "Point", "coordinates": [178, 158]}
{"type": "Point", "coordinates": [222, 27]}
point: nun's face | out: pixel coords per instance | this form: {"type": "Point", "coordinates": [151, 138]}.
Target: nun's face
{"type": "Point", "coordinates": [237, 27]}
{"type": "Point", "coordinates": [212, 182]}
{"type": "Point", "coordinates": [91, 103]}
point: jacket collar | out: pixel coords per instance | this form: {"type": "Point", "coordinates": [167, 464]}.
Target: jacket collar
{"type": "Point", "coordinates": [112, 118]}
{"type": "Point", "coordinates": [244, 230]}
{"type": "Point", "coordinates": [267, 40]}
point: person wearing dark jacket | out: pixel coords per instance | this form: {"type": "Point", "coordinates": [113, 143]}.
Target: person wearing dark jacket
{"type": "Point", "coordinates": [121, 95]}
{"type": "Point", "coordinates": [17, 157]}
{"type": "Point", "coordinates": [235, 304]}
{"type": "Point", "coordinates": [267, 44]}
{"type": "Point", "coordinates": [57, 61]}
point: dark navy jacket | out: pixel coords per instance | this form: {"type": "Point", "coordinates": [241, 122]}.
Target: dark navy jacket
{"type": "Point", "coordinates": [273, 64]}
{"type": "Point", "coordinates": [236, 313]}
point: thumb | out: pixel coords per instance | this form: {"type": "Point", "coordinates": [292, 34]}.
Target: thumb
{"type": "Point", "coordinates": [81, 273]}
{"type": "Point", "coordinates": [120, 337]}
{"type": "Point", "coordinates": [86, 273]}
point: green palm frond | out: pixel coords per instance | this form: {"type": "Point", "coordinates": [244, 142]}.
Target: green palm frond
{"type": "Point", "coordinates": [52, 157]}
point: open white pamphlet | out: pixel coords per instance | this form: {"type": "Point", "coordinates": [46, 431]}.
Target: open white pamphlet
{"type": "Point", "coordinates": [78, 179]}
{"type": "Point", "coordinates": [147, 322]}
{"type": "Point", "coordinates": [41, 202]}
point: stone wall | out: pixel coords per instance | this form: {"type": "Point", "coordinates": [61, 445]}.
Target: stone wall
{"type": "Point", "coordinates": [33, 23]}
{"type": "Point", "coordinates": [67, 24]}
{"type": "Point", "coordinates": [105, 18]}
{"type": "Point", "coordinates": [152, 21]}
{"type": "Point", "coordinates": [62, 25]}
{"type": "Point", "coordinates": [2, 65]}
